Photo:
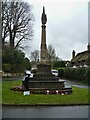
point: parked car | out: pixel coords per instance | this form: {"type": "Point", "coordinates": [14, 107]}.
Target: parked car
{"type": "Point", "coordinates": [54, 72]}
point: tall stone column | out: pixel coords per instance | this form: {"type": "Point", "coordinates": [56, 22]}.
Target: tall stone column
{"type": "Point", "coordinates": [43, 51]}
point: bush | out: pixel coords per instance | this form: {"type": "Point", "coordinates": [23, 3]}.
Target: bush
{"type": "Point", "coordinates": [79, 74]}
{"type": "Point", "coordinates": [58, 64]}
{"type": "Point", "coordinates": [87, 75]}
{"type": "Point", "coordinates": [7, 68]}
{"type": "Point", "coordinates": [14, 61]}
{"type": "Point", "coordinates": [61, 73]}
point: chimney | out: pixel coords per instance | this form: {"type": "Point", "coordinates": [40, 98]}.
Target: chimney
{"type": "Point", "coordinates": [73, 54]}
{"type": "Point", "coordinates": [88, 46]}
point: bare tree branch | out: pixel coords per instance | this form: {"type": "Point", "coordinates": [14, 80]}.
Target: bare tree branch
{"type": "Point", "coordinates": [17, 22]}
{"type": "Point", "coordinates": [35, 56]}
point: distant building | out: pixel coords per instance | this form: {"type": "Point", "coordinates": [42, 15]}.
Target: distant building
{"type": "Point", "coordinates": [82, 59]}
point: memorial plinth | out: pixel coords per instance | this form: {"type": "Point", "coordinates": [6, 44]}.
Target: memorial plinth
{"type": "Point", "coordinates": [44, 69]}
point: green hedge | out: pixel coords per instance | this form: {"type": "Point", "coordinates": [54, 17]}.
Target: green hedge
{"type": "Point", "coordinates": [61, 73]}
{"type": "Point", "coordinates": [78, 74]}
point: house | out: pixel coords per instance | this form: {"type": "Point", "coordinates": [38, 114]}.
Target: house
{"type": "Point", "coordinates": [82, 59]}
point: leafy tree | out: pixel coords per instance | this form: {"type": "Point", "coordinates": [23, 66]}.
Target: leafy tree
{"type": "Point", "coordinates": [7, 68]}
{"type": "Point", "coordinates": [27, 64]}
{"type": "Point", "coordinates": [59, 64]}
{"type": "Point", "coordinates": [16, 22]}
{"type": "Point", "coordinates": [14, 61]}
{"type": "Point", "coordinates": [7, 55]}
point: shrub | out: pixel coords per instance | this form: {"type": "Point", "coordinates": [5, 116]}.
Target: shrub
{"type": "Point", "coordinates": [61, 73]}
{"type": "Point", "coordinates": [81, 74]}
{"type": "Point", "coordinates": [14, 61]}
{"type": "Point", "coordinates": [58, 64]}
{"type": "Point", "coordinates": [87, 75]}
{"type": "Point", "coordinates": [7, 68]}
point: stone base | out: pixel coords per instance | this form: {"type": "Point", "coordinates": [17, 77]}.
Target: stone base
{"type": "Point", "coordinates": [44, 73]}
{"type": "Point", "coordinates": [46, 78]}
{"type": "Point", "coordinates": [44, 81]}
{"type": "Point", "coordinates": [47, 84]}
{"type": "Point", "coordinates": [43, 90]}
{"type": "Point", "coordinates": [50, 91]}
{"type": "Point", "coordinates": [44, 69]}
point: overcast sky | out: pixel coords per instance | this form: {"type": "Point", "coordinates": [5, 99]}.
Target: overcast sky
{"type": "Point", "coordinates": [66, 27]}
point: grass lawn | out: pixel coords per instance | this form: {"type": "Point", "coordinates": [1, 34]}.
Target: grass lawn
{"type": "Point", "coordinates": [79, 96]}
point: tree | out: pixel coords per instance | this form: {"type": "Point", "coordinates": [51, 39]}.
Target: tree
{"type": "Point", "coordinates": [14, 61]}
{"type": "Point", "coordinates": [35, 56]}
{"type": "Point", "coordinates": [59, 64]}
{"type": "Point", "coordinates": [27, 64]}
{"type": "Point", "coordinates": [17, 21]}
{"type": "Point", "coordinates": [51, 53]}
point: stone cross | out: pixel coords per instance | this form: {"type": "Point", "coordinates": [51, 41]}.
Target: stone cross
{"type": "Point", "coordinates": [43, 51]}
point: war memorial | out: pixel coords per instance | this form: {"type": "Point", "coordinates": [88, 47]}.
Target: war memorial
{"type": "Point", "coordinates": [44, 81]}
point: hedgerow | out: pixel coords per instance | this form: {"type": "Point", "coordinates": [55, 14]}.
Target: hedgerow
{"type": "Point", "coordinates": [78, 74]}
